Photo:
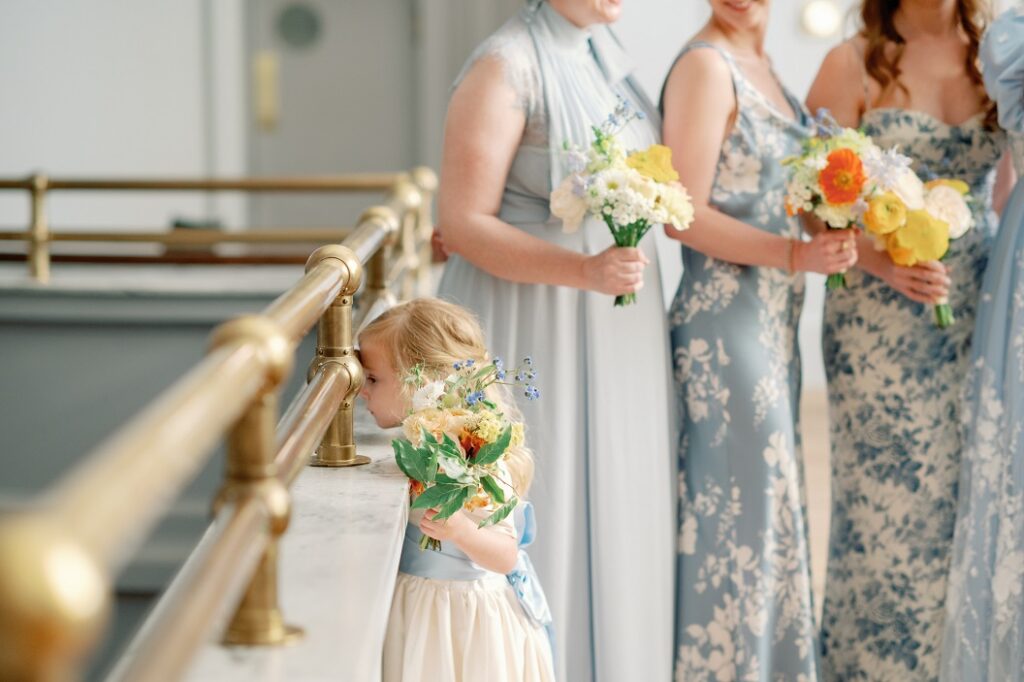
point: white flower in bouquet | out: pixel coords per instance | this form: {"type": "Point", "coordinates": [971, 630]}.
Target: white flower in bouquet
{"type": "Point", "coordinates": [428, 396]}
{"type": "Point", "coordinates": [909, 188]}
{"type": "Point", "coordinates": [568, 205]}
{"type": "Point", "coordinates": [948, 204]}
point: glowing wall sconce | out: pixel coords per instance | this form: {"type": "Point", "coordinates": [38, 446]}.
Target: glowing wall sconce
{"type": "Point", "coordinates": [821, 18]}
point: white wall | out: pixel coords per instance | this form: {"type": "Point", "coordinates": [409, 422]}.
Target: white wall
{"type": "Point", "coordinates": [654, 31]}
{"type": "Point", "coordinates": [114, 87]}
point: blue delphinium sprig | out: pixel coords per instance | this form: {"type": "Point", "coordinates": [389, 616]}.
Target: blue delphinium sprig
{"type": "Point", "coordinates": [468, 384]}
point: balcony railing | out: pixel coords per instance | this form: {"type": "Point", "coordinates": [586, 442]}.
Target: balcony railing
{"type": "Point", "coordinates": [59, 557]}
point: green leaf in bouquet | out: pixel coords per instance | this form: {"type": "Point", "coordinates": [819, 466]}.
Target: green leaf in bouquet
{"type": "Point", "coordinates": [490, 453]}
{"type": "Point", "coordinates": [450, 446]}
{"type": "Point", "coordinates": [437, 495]}
{"type": "Point", "coordinates": [499, 515]}
{"type": "Point", "coordinates": [493, 489]}
{"type": "Point", "coordinates": [455, 466]}
{"type": "Point", "coordinates": [411, 460]}
{"type": "Point", "coordinates": [454, 503]}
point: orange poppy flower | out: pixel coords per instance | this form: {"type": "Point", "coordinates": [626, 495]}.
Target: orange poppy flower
{"type": "Point", "coordinates": [843, 178]}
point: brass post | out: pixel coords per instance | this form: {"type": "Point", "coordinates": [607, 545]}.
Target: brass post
{"type": "Point", "coordinates": [252, 472]}
{"type": "Point", "coordinates": [376, 292]}
{"type": "Point", "coordinates": [39, 238]}
{"type": "Point", "coordinates": [426, 181]}
{"type": "Point", "coordinates": [335, 343]}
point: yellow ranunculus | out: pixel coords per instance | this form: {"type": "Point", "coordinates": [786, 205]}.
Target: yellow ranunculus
{"type": "Point", "coordinates": [923, 238]}
{"type": "Point", "coordinates": [958, 185]}
{"type": "Point", "coordinates": [886, 213]}
{"type": "Point", "coordinates": [655, 163]}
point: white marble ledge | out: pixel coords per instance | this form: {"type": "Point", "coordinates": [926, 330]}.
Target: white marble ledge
{"type": "Point", "coordinates": [339, 560]}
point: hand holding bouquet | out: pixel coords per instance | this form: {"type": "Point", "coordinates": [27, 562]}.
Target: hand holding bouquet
{"type": "Point", "coordinates": [915, 221]}
{"type": "Point", "coordinates": [630, 193]}
{"type": "Point", "coordinates": [830, 178]}
{"type": "Point", "coordinates": [457, 440]}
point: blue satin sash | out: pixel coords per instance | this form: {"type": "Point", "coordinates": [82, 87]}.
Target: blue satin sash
{"type": "Point", "coordinates": [452, 564]}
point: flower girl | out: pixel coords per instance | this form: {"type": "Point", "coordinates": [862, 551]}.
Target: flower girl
{"type": "Point", "coordinates": [473, 609]}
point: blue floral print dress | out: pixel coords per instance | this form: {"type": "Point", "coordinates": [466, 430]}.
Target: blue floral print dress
{"type": "Point", "coordinates": [984, 632]}
{"type": "Point", "coordinates": [744, 608]}
{"type": "Point", "coordinates": [895, 382]}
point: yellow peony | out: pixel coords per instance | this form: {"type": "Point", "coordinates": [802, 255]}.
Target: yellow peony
{"type": "Point", "coordinates": [655, 163]}
{"type": "Point", "coordinates": [923, 238]}
{"type": "Point", "coordinates": [958, 185]}
{"type": "Point", "coordinates": [886, 213]}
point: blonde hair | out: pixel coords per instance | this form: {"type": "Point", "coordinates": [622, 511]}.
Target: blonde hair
{"type": "Point", "coordinates": [436, 334]}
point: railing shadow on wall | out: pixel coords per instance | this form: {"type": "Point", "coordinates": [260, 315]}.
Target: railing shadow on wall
{"type": "Point", "coordinates": [58, 557]}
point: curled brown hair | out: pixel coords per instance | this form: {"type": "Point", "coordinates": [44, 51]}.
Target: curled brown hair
{"type": "Point", "coordinates": [883, 65]}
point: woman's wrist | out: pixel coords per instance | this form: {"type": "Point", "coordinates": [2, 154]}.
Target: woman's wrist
{"type": "Point", "coordinates": [795, 256]}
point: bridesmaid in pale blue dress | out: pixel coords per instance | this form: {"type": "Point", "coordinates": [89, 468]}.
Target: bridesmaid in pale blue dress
{"type": "Point", "coordinates": [984, 639]}
{"type": "Point", "coordinates": [744, 608]}
{"type": "Point", "coordinates": [894, 378]}
{"type": "Point", "coordinates": [602, 431]}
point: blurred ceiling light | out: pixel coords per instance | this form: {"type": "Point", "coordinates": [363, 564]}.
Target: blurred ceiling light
{"type": "Point", "coordinates": [821, 18]}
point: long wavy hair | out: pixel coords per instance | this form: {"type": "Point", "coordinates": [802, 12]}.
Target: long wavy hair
{"type": "Point", "coordinates": [883, 63]}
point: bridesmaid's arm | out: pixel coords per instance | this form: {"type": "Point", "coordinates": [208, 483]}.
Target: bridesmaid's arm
{"type": "Point", "coordinates": [1006, 178]}
{"type": "Point", "coordinates": [700, 108]}
{"type": "Point", "coordinates": [483, 130]}
{"type": "Point", "coordinates": [839, 86]}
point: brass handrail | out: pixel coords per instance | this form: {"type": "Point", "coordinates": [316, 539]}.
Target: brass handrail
{"type": "Point", "coordinates": [191, 237]}
{"type": "Point", "coordinates": [58, 558]}
{"type": "Point", "coordinates": [39, 234]}
{"type": "Point", "coordinates": [355, 182]}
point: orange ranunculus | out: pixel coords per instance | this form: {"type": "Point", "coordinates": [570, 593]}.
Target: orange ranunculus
{"type": "Point", "coordinates": [842, 180]}
{"type": "Point", "coordinates": [416, 488]}
{"type": "Point", "coordinates": [471, 443]}
{"type": "Point", "coordinates": [790, 211]}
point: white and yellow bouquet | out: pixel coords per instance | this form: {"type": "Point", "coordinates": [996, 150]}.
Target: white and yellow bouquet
{"type": "Point", "coordinates": [914, 221]}
{"type": "Point", "coordinates": [629, 192]}
{"type": "Point", "coordinates": [831, 178]}
{"type": "Point", "coordinates": [457, 440]}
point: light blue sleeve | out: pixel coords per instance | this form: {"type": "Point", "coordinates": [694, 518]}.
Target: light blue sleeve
{"type": "Point", "coordinates": [1002, 64]}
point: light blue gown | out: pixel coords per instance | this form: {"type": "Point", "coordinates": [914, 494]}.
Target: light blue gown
{"type": "Point", "coordinates": [984, 636]}
{"type": "Point", "coordinates": [744, 609]}
{"type": "Point", "coordinates": [895, 382]}
{"type": "Point", "coordinates": [601, 430]}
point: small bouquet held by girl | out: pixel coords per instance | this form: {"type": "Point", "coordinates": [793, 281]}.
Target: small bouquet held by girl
{"type": "Point", "coordinates": [458, 438]}
{"type": "Point", "coordinates": [629, 192]}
